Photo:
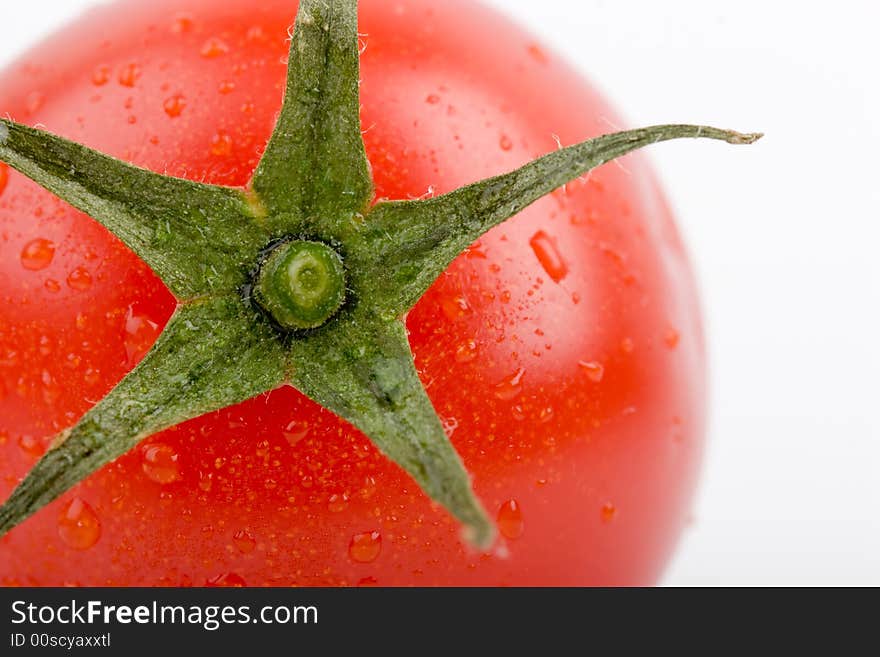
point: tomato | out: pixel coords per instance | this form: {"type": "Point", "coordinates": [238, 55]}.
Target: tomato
{"type": "Point", "coordinates": [564, 350]}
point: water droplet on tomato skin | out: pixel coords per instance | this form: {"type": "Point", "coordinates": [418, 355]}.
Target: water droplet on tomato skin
{"type": "Point", "coordinates": [31, 446]}
{"type": "Point", "coordinates": [432, 99]}
{"type": "Point", "coordinates": [595, 371]}
{"type": "Point", "coordinates": [34, 101]}
{"type": "Point", "coordinates": [221, 144]}
{"type": "Point", "coordinates": [226, 87]}
{"type": "Point", "coordinates": [78, 525]}
{"type": "Point", "coordinates": [627, 345]}
{"type": "Point", "coordinates": [174, 105]}
{"type": "Point", "coordinates": [511, 387]}
{"type": "Point", "coordinates": [295, 431]}
{"type": "Point", "coordinates": [537, 54]}
{"type": "Point", "coordinates": [226, 580]}
{"type": "Point", "coordinates": [160, 462]}
{"type": "Point", "coordinates": [37, 254]}
{"type": "Point", "coordinates": [510, 520]}
{"type": "Point", "coordinates": [255, 33]}
{"type": "Point", "coordinates": [454, 306]}
{"type": "Point", "coordinates": [337, 503]}
{"type": "Point", "coordinates": [466, 352]}
{"type": "Point", "coordinates": [671, 338]}
{"type": "Point", "coordinates": [140, 332]}
{"type": "Point", "coordinates": [206, 481]}
{"type": "Point", "coordinates": [182, 24]}
{"type": "Point", "coordinates": [608, 512]}
{"type": "Point", "coordinates": [450, 424]}
{"type": "Point", "coordinates": [79, 279]}
{"type": "Point", "coordinates": [101, 76]}
{"type": "Point", "coordinates": [129, 75]}
{"type": "Point", "coordinates": [506, 143]}
{"type": "Point", "coordinates": [244, 541]}
{"type": "Point", "coordinates": [548, 255]}
{"type": "Point", "coordinates": [365, 548]}
{"type": "Point", "coordinates": [214, 47]}
{"type": "Point", "coordinates": [91, 376]}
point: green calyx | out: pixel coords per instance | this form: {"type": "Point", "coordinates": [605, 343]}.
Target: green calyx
{"type": "Point", "coordinates": [344, 344]}
{"type": "Point", "coordinates": [301, 284]}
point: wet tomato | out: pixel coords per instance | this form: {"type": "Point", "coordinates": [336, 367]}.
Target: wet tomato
{"type": "Point", "coordinates": [563, 351]}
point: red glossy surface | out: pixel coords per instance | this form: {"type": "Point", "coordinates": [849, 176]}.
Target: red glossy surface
{"type": "Point", "coordinates": [564, 350]}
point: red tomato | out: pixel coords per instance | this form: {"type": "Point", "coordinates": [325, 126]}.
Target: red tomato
{"type": "Point", "coordinates": [564, 350]}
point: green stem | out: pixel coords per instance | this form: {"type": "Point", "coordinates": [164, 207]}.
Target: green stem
{"type": "Point", "coordinates": [301, 284]}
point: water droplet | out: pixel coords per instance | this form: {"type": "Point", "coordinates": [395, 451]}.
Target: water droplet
{"type": "Point", "coordinates": [450, 424]}
{"type": "Point", "coordinates": [511, 387]}
{"type": "Point", "coordinates": [31, 445]}
{"type": "Point", "coordinates": [365, 548]}
{"type": "Point", "coordinates": [627, 345]}
{"type": "Point", "coordinates": [505, 143]}
{"type": "Point", "coordinates": [182, 24]}
{"type": "Point", "coordinates": [34, 101]}
{"type": "Point", "coordinates": [432, 99]}
{"type": "Point", "coordinates": [79, 279]}
{"type": "Point", "coordinates": [337, 503]}
{"type": "Point", "coordinates": [226, 87]}
{"type": "Point", "coordinates": [454, 306]}
{"type": "Point", "coordinates": [129, 75]}
{"type": "Point", "coordinates": [466, 352]}
{"type": "Point", "coordinates": [206, 481]}
{"type": "Point", "coordinates": [140, 334]}
{"type": "Point", "coordinates": [221, 144]}
{"type": "Point", "coordinates": [214, 47]}
{"type": "Point", "coordinates": [595, 371]}
{"type": "Point", "coordinates": [510, 520]}
{"type": "Point", "coordinates": [160, 463]}
{"type": "Point", "coordinates": [548, 255]}
{"type": "Point", "coordinates": [608, 512]}
{"type": "Point", "coordinates": [174, 105]}
{"type": "Point", "coordinates": [671, 338]}
{"type": "Point", "coordinates": [101, 76]}
{"type": "Point", "coordinates": [295, 431]}
{"type": "Point", "coordinates": [37, 254]}
{"type": "Point", "coordinates": [78, 525]}
{"type": "Point", "coordinates": [4, 175]}
{"type": "Point", "coordinates": [537, 54]}
{"type": "Point", "coordinates": [226, 580]}
{"type": "Point", "coordinates": [255, 33]}
{"type": "Point", "coordinates": [244, 541]}
{"type": "Point", "coordinates": [52, 285]}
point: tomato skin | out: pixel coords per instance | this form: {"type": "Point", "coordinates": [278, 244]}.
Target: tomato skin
{"type": "Point", "coordinates": [564, 350]}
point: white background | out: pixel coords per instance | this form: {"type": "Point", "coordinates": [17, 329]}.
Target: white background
{"type": "Point", "coordinates": [785, 238]}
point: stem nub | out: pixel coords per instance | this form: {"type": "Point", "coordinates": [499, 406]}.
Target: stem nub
{"type": "Point", "coordinates": [301, 284]}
